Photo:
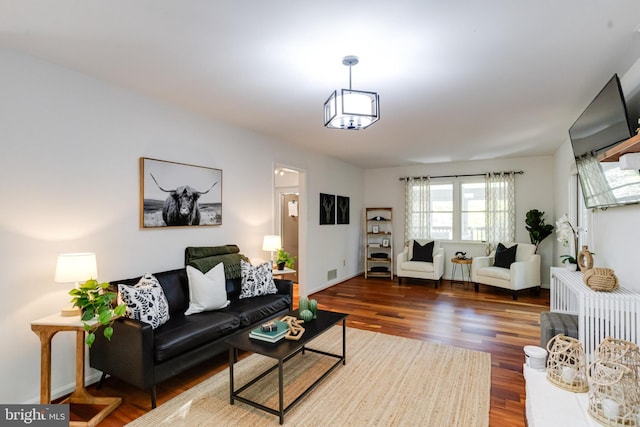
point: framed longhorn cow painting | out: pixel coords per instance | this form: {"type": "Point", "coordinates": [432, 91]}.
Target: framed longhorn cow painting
{"type": "Point", "coordinates": [179, 195]}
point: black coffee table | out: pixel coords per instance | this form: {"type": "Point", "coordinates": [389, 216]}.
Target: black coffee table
{"type": "Point", "coordinates": [282, 351]}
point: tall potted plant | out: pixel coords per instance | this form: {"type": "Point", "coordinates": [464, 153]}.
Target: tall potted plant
{"type": "Point", "coordinates": [538, 230]}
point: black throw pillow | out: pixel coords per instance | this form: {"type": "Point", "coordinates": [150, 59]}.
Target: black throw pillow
{"type": "Point", "coordinates": [422, 253]}
{"type": "Point", "coordinates": [505, 256]}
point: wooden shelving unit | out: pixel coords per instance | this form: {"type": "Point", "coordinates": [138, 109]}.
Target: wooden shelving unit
{"type": "Point", "coordinates": [378, 251]}
{"type": "Point", "coordinates": [631, 145]}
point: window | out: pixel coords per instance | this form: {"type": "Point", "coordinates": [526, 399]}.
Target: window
{"type": "Point", "coordinates": [451, 209]}
{"type": "Point", "coordinates": [441, 212]}
{"type": "Point", "coordinates": [472, 212]}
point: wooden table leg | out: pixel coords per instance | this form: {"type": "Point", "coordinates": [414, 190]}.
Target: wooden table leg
{"type": "Point", "coordinates": [45, 365]}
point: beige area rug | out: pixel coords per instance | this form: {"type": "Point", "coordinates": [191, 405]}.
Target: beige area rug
{"type": "Point", "coordinates": [387, 381]}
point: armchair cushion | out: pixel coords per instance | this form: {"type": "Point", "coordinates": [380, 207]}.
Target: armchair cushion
{"type": "Point", "coordinates": [422, 253]}
{"type": "Point", "coordinates": [425, 267]}
{"type": "Point", "coordinates": [505, 256]}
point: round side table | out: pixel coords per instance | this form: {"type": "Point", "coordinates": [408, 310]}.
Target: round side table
{"type": "Point", "coordinates": [455, 262]}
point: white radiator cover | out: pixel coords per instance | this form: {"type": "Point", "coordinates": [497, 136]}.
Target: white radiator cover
{"type": "Point", "coordinates": [600, 314]}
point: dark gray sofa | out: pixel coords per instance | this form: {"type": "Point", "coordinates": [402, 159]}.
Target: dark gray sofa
{"type": "Point", "coordinates": [143, 357]}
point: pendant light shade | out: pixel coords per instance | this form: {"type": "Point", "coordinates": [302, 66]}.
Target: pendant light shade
{"type": "Point", "coordinates": [351, 109]}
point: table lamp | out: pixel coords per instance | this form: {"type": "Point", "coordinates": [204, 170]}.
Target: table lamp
{"type": "Point", "coordinates": [271, 243]}
{"type": "Point", "coordinates": [75, 268]}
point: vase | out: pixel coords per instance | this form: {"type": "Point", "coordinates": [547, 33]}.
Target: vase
{"type": "Point", "coordinates": [281, 266]}
{"type": "Point", "coordinates": [570, 266]}
{"type": "Point", "coordinates": [585, 259]}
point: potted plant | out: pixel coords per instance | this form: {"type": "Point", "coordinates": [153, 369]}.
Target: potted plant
{"type": "Point", "coordinates": [538, 230]}
{"type": "Point", "coordinates": [567, 233]}
{"type": "Point", "coordinates": [284, 259]}
{"type": "Point", "coordinates": [95, 302]}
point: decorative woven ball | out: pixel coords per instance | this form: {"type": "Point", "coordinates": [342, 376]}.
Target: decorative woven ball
{"type": "Point", "coordinates": [303, 303]}
{"type": "Point", "coordinates": [306, 315]}
{"type": "Point", "coordinates": [313, 307]}
{"type": "Point", "coordinates": [601, 279]}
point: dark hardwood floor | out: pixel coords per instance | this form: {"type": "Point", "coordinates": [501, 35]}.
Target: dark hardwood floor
{"type": "Point", "coordinates": [488, 321]}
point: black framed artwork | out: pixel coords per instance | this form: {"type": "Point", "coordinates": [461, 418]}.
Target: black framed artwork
{"type": "Point", "coordinates": [176, 194]}
{"type": "Point", "coordinates": [342, 210]}
{"type": "Point", "coordinates": [327, 209]}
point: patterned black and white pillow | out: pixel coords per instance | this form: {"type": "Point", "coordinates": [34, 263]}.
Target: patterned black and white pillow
{"type": "Point", "coordinates": [145, 301]}
{"type": "Point", "coordinates": [257, 280]}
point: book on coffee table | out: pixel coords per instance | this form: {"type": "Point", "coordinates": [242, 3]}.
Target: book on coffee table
{"type": "Point", "coordinates": [270, 336]}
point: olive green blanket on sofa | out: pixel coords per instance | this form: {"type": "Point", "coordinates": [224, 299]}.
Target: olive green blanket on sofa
{"type": "Point", "coordinates": [204, 258]}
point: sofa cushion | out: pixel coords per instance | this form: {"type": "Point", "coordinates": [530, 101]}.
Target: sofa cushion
{"type": "Point", "coordinates": [174, 285]}
{"type": "Point", "coordinates": [183, 333]}
{"type": "Point", "coordinates": [495, 272]}
{"type": "Point", "coordinates": [505, 256]}
{"type": "Point", "coordinates": [256, 309]}
{"type": "Point", "coordinates": [176, 289]}
{"type": "Point", "coordinates": [257, 280]}
{"type": "Point", "coordinates": [145, 301]}
{"type": "Point", "coordinates": [206, 291]}
{"type": "Point", "coordinates": [422, 253]}
{"type": "Point", "coordinates": [424, 267]}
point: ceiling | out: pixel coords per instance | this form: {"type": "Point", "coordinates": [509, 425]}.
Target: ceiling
{"type": "Point", "coordinates": [459, 80]}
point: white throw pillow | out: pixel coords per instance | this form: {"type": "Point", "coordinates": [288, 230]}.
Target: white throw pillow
{"type": "Point", "coordinates": [207, 291]}
{"type": "Point", "coordinates": [257, 280]}
{"type": "Point", "coordinates": [145, 301]}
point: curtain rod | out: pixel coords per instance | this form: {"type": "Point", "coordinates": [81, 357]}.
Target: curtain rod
{"type": "Point", "coordinates": [404, 178]}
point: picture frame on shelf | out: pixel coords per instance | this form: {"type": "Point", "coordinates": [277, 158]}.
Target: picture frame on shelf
{"type": "Point", "coordinates": [375, 229]}
{"type": "Point", "coordinates": [385, 243]}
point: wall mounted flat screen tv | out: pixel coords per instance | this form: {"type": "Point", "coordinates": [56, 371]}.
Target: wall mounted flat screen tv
{"type": "Point", "coordinates": [602, 125]}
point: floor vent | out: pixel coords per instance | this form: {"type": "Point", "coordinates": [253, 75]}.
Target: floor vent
{"type": "Point", "coordinates": [332, 274]}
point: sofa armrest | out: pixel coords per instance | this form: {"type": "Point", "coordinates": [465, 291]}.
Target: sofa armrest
{"type": "Point", "coordinates": [129, 353]}
{"type": "Point", "coordinates": [526, 274]}
{"type": "Point", "coordinates": [438, 263]}
{"type": "Point", "coordinates": [478, 263]}
{"type": "Point", "coordinates": [285, 287]}
{"type": "Point", "coordinates": [403, 256]}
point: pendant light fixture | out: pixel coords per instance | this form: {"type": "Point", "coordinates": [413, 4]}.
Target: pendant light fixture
{"type": "Point", "coordinates": [351, 109]}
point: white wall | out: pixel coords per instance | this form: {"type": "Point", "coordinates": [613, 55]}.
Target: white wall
{"type": "Point", "coordinates": [534, 190]}
{"type": "Point", "coordinates": [69, 175]}
{"type": "Point", "coordinates": [614, 233]}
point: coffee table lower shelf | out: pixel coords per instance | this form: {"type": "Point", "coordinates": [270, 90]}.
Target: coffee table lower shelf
{"type": "Point", "coordinates": [284, 351]}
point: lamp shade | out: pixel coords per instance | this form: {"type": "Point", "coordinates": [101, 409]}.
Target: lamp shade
{"type": "Point", "coordinates": [271, 243]}
{"type": "Point", "coordinates": [75, 268]}
{"type": "Point", "coordinates": [351, 109]}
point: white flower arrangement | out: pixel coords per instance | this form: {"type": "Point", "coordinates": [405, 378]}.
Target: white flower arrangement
{"type": "Point", "coordinates": [565, 231]}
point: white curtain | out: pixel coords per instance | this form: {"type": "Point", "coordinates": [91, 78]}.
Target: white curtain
{"type": "Point", "coordinates": [417, 206]}
{"type": "Point", "coordinates": [501, 208]}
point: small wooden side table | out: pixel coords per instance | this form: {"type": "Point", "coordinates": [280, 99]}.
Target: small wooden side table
{"type": "Point", "coordinates": [46, 328]}
{"type": "Point", "coordinates": [282, 272]}
{"type": "Point", "coordinates": [455, 262]}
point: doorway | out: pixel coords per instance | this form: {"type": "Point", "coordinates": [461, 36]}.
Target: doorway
{"type": "Point", "coordinates": [287, 214]}
{"type": "Point", "coordinates": [289, 208]}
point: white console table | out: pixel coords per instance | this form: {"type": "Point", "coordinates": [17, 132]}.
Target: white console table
{"type": "Point", "coordinates": [613, 314]}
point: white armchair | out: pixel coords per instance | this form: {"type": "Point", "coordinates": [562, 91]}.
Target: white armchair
{"type": "Point", "coordinates": [420, 269]}
{"type": "Point", "coordinates": [524, 273]}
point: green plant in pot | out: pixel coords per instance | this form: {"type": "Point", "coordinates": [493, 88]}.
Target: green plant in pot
{"type": "Point", "coordinates": [538, 230]}
{"type": "Point", "coordinates": [95, 302]}
{"type": "Point", "coordinates": [284, 259]}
